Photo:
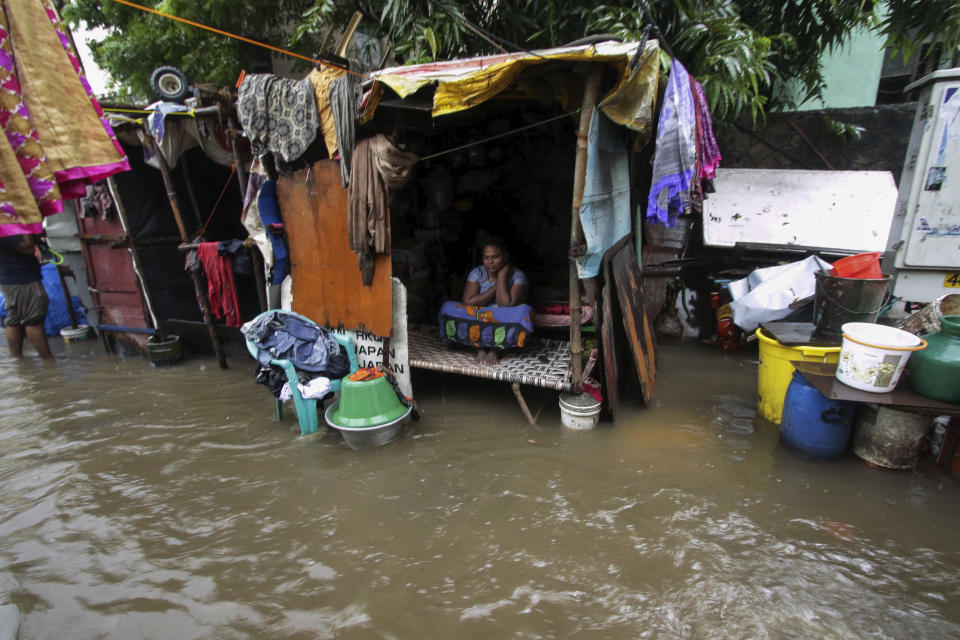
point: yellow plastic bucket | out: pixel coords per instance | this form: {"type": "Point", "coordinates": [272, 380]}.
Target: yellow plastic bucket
{"type": "Point", "coordinates": [775, 371]}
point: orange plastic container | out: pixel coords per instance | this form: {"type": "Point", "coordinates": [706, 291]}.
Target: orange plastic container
{"type": "Point", "coordinates": [862, 265]}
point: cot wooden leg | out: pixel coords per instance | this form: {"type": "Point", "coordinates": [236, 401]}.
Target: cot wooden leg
{"type": "Point", "coordinates": [523, 403]}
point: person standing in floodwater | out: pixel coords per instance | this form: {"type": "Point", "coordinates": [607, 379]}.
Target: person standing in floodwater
{"type": "Point", "coordinates": [21, 283]}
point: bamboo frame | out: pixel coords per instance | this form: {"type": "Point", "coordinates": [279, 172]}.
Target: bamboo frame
{"type": "Point", "coordinates": [200, 290]}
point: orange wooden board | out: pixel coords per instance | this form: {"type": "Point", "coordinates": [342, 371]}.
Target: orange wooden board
{"type": "Point", "coordinates": [626, 275]}
{"type": "Point", "coordinates": [327, 287]}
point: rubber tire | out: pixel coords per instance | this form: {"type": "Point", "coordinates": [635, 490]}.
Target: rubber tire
{"type": "Point", "coordinates": [163, 79]}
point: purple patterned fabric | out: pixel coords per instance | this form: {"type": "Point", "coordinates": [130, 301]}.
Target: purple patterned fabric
{"type": "Point", "coordinates": [675, 160]}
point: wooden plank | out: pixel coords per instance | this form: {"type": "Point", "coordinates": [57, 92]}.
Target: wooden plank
{"type": "Point", "coordinates": [327, 286]}
{"type": "Point", "coordinates": [626, 276]}
{"type": "Point", "coordinates": [608, 347]}
{"type": "Point", "coordinates": [793, 334]}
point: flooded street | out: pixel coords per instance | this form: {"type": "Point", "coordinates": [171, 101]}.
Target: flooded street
{"type": "Point", "coordinates": [168, 503]}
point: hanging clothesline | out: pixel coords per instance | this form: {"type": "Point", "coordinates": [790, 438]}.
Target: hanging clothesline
{"type": "Point", "coordinates": [232, 35]}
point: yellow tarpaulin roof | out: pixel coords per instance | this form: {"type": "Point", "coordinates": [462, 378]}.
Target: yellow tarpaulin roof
{"type": "Point", "coordinates": [462, 84]}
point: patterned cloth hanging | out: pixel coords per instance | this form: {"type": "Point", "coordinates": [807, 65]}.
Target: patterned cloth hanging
{"type": "Point", "coordinates": [56, 139]}
{"type": "Point", "coordinates": [675, 161]}
{"type": "Point", "coordinates": [277, 114]}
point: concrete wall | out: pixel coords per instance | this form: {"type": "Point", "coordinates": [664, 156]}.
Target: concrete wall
{"type": "Point", "coordinates": [776, 144]}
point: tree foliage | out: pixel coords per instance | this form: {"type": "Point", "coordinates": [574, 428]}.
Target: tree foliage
{"type": "Point", "coordinates": [738, 50]}
{"type": "Point", "coordinates": [139, 42]}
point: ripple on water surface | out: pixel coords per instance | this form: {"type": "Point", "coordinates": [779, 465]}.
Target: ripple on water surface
{"type": "Point", "coordinates": [168, 503]}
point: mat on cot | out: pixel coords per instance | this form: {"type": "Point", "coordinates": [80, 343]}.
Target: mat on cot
{"type": "Point", "coordinates": [542, 363]}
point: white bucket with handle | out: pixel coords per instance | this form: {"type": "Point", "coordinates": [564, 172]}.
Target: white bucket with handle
{"type": "Point", "coordinates": [579, 411]}
{"type": "Point", "coordinates": [873, 356]}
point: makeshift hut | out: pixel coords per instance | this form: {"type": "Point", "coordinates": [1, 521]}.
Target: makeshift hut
{"type": "Point", "coordinates": [181, 189]}
{"type": "Point", "coordinates": [368, 195]}
{"type": "Point", "coordinates": [423, 161]}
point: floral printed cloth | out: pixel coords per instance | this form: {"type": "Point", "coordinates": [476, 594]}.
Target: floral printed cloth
{"type": "Point", "coordinates": [277, 114]}
{"type": "Point", "coordinates": [490, 327]}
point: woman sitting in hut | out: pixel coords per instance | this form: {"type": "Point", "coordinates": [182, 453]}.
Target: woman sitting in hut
{"type": "Point", "coordinates": [492, 314]}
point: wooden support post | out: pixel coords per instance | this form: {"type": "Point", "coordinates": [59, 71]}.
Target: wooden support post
{"type": "Point", "coordinates": [523, 403]}
{"type": "Point", "coordinates": [198, 283]}
{"type": "Point", "coordinates": [590, 92]}
{"type": "Point", "coordinates": [66, 297]}
{"type": "Point", "coordinates": [238, 161]}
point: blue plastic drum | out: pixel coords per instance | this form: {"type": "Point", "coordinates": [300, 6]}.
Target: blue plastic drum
{"type": "Point", "coordinates": [814, 426]}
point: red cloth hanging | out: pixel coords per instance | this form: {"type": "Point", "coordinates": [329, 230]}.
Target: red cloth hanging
{"type": "Point", "coordinates": [220, 286]}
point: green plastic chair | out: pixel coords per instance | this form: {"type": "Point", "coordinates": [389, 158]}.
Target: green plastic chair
{"type": "Point", "coordinates": [306, 407]}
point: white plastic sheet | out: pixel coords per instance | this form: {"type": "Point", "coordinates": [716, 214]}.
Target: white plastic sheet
{"type": "Point", "coordinates": [766, 294]}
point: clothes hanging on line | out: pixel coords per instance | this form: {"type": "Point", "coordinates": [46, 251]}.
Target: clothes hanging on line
{"type": "Point", "coordinates": [708, 152]}
{"type": "Point", "coordinates": [221, 289]}
{"type": "Point", "coordinates": [269, 209]}
{"type": "Point", "coordinates": [321, 79]}
{"type": "Point", "coordinates": [345, 95]}
{"type": "Point", "coordinates": [277, 114]}
{"type": "Point", "coordinates": [238, 254]}
{"type": "Point", "coordinates": [57, 140]}
{"type": "Point", "coordinates": [377, 166]}
{"type": "Point", "coordinates": [174, 135]}
{"type": "Point", "coordinates": [675, 159]}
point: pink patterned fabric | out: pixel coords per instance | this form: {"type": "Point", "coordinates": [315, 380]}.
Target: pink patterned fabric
{"type": "Point", "coordinates": [22, 135]}
{"type": "Point", "coordinates": [94, 173]}
{"type": "Point", "coordinates": [707, 148]}
{"type": "Point", "coordinates": [30, 188]}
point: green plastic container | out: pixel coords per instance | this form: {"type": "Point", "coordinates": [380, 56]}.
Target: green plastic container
{"type": "Point", "coordinates": [367, 403]}
{"type": "Point", "coordinates": [936, 369]}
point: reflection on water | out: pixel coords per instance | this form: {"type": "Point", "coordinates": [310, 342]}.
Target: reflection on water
{"type": "Point", "coordinates": [167, 503]}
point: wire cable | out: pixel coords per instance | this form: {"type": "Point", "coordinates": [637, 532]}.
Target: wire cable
{"type": "Point", "coordinates": [486, 35]}
{"type": "Point", "coordinates": [500, 135]}
{"type": "Point", "coordinates": [233, 35]}
{"type": "Point", "coordinates": [233, 170]}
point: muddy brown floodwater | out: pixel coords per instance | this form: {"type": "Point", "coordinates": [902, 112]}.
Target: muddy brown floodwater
{"type": "Point", "coordinates": [168, 503]}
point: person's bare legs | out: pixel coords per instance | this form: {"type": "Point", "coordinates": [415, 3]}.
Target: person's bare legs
{"type": "Point", "coordinates": [15, 341]}
{"type": "Point", "coordinates": [38, 338]}
{"type": "Point", "coordinates": [480, 356]}
{"type": "Point", "coordinates": [491, 358]}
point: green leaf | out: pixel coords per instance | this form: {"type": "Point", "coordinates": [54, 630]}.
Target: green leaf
{"type": "Point", "coordinates": [431, 39]}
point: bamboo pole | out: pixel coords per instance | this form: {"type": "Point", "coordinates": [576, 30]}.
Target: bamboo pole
{"type": "Point", "coordinates": [201, 290]}
{"type": "Point", "coordinates": [237, 160]}
{"type": "Point", "coordinates": [590, 92]}
{"type": "Point", "coordinates": [255, 257]}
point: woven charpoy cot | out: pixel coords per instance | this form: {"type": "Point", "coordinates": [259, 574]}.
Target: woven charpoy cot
{"type": "Point", "coordinates": [543, 363]}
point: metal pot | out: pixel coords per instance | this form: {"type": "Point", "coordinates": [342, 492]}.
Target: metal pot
{"type": "Point", "coordinates": [367, 437]}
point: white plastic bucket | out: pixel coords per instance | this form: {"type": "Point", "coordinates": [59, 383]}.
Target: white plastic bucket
{"type": "Point", "coordinates": [71, 334]}
{"type": "Point", "coordinates": [579, 411]}
{"type": "Point", "coordinates": [873, 355]}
